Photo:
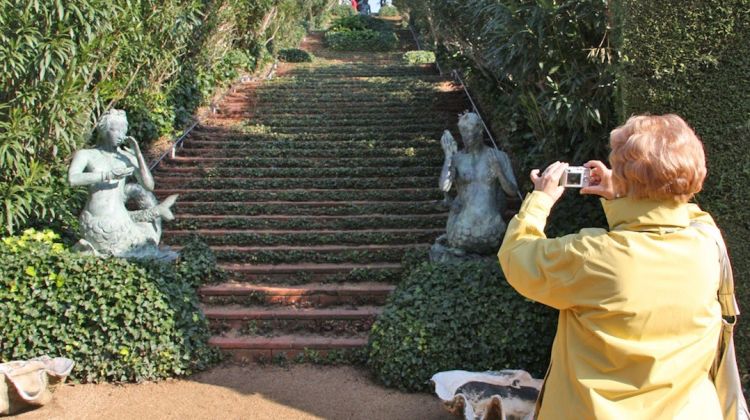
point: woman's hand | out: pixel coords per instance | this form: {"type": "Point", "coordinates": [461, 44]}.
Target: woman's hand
{"type": "Point", "coordinates": [600, 180]}
{"type": "Point", "coordinates": [549, 181]}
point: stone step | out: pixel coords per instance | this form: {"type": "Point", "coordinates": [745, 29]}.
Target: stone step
{"type": "Point", "coordinates": [164, 169]}
{"type": "Point", "coordinates": [302, 222]}
{"type": "Point", "coordinates": [306, 295]}
{"type": "Point", "coordinates": [257, 237]}
{"type": "Point", "coordinates": [309, 208]}
{"type": "Point", "coordinates": [302, 195]}
{"type": "Point", "coordinates": [322, 162]}
{"type": "Point", "coordinates": [237, 321]}
{"type": "Point", "coordinates": [337, 254]}
{"type": "Point", "coordinates": [244, 134]}
{"type": "Point", "coordinates": [243, 152]}
{"type": "Point", "coordinates": [267, 348]}
{"type": "Point", "coordinates": [249, 182]}
{"type": "Point", "coordinates": [296, 274]}
{"type": "Point", "coordinates": [250, 143]}
{"type": "Point", "coordinates": [317, 83]}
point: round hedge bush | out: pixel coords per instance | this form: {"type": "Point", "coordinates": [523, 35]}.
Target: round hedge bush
{"type": "Point", "coordinates": [388, 11]}
{"type": "Point", "coordinates": [460, 316]}
{"type": "Point", "coordinates": [295, 55]}
{"type": "Point", "coordinates": [118, 320]}
{"type": "Point", "coordinates": [419, 57]}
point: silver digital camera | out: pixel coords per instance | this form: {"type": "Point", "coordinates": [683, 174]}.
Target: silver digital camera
{"type": "Point", "coordinates": [576, 177]}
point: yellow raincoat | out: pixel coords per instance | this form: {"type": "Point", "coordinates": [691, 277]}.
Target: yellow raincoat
{"type": "Point", "coordinates": [639, 318]}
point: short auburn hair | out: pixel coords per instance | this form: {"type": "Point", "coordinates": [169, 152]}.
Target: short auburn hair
{"type": "Point", "coordinates": [657, 157]}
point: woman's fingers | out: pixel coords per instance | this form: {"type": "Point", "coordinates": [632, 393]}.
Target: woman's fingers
{"type": "Point", "coordinates": [534, 175]}
{"type": "Point", "coordinates": [596, 164]}
{"type": "Point", "coordinates": [549, 180]}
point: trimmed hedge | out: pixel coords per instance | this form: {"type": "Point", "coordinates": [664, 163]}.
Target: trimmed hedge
{"type": "Point", "coordinates": [419, 57]}
{"type": "Point", "coordinates": [462, 316]}
{"type": "Point", "coordinates": [360, 33]}
{"type": "Point", "coordinates": [118, 320]}
{"type": "Point", "coordinates": [692, 58]}
{"type": "Point", "coordinates": [295, 55]}
{"type": "Point", "coordinates": [388, 11]}
{"type": "Point", "coordinates": [364, 40]}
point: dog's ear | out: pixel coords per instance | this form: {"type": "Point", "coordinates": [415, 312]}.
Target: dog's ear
{"type": "Point", "coordinates": [516, 383]}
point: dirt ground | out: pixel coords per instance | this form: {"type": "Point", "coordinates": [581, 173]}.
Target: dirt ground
{"type": "Point", "coordinates": [245, 392]}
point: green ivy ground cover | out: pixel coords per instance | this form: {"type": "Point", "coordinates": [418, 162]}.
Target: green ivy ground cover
{"type": "Point", "coordinates": [398, 162]}
{"type": "Point", "coordinates": [318, 153]}
{"type": "Point", "coordinates": [351, 237]}
{"type": "Point", "coordinates": [252, 143]}
{"type": "Point", "coordinates": [253, 209]}
{"type": "Point", "coordinates": [359, 275]}
{"type": "Point", "coordinates": [296, 183]}
{"type": "Point", "coordinates": [311, 256]}
{"type": "Point", "coordinates": [319, 195]}
{"type": "Point", "coordinates": [119, 321]}
{"type": "Point", "coordinates": [303, 223]}
{"type": "Point", "coordinates": [409, 171]}
{"type": "Point", "coordinates": [463, 316]}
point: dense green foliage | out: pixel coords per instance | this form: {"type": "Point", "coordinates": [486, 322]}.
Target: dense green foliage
{"type": "Point", "coordinates": [463, 316]}
{"type": "Point", "coordinates": [692, 58]}
{"type": "Point", "coordinates": [360, 33]}
{"type": "Point", "coordinates": [295, 55]}
{"type": "Point", "coordinates": [119, 321]}
{"type": "Point", "coordinates": [64, 63]}
{"type": "Point", "coordinates": [542, 73]}
{"type": "Point", "coordinates": [547, 65]}
{"type": "Point", "coordinates": [388, 11]}
{"type": "Point", "coordinates": [419, 57]}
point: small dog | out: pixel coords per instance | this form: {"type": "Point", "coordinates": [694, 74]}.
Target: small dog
{"type": "Point", "coordinates": [505, 395]}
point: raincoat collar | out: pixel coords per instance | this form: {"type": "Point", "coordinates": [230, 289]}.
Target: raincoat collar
{"type": "Point", "coordinates": [646, 215]}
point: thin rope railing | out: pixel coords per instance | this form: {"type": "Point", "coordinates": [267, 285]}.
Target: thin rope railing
{"type": "Point", "coordinates": [173, 148]}
{"type": "Point", "coordinates": [457, 77]}
{"type": "Point", "coordinates": [214, 108]}
{"type": "Point", "coordinates": [419, 47]}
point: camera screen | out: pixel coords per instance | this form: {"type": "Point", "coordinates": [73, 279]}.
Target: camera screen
{"type": "Point", "coordinates": [574, 178]}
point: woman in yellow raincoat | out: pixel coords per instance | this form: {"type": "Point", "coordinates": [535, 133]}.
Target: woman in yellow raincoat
{"type": "Point", "coordinates": [639, 317]}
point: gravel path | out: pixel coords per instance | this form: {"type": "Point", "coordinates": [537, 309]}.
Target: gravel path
{"type": "Point", "coordinates": [245, 392]}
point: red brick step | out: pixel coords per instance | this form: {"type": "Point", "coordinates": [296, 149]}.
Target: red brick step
{"type": "Point", "coordinates": [315, 294]}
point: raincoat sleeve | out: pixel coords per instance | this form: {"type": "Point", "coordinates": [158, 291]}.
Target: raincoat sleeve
{"type": "Point", "coordinates": [539, 268]}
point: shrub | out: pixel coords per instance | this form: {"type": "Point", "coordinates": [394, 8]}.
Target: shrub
{"type": "Point", "coordinates": [691, 58]}
{"type": "Point", "coordinates": [159, 60]}
{"type": "Point", "coordinates": [419, 57]}
{"type": "Point", "coordinates": [358, 23]}
{"type": "Point", "coordinates": [295, 55]}
{"type": "Point", "coordinates": [364, 40]}
{"type": "Point", "coordinates": [388, 11]}
{"type": "Point", "coordinates": [462, 316]}
{"type": "Point", "coordinates": [342, 10]}
{"type": "Point", "coordinates": [118, 320]}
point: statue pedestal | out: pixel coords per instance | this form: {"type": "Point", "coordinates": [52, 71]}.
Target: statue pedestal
{"type": "Point", "coordinates": [144, 252]}
{"type": "Point", "coordinates": [442, 252]}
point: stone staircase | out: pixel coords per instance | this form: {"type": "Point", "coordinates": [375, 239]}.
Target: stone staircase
{"type": "Point", "coordinates": [311, 188]}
